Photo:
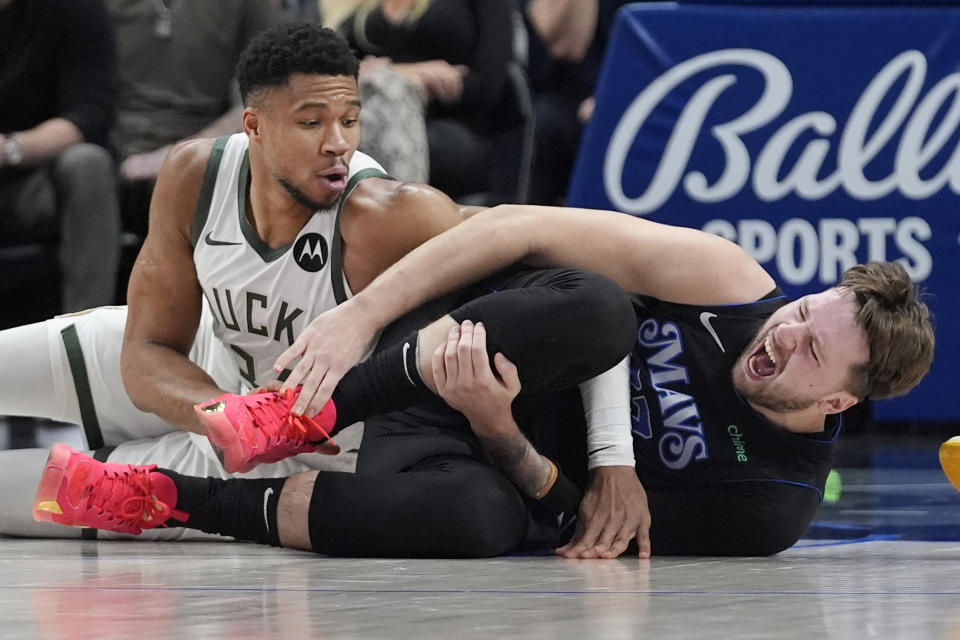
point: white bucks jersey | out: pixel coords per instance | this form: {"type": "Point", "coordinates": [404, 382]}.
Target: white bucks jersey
{"type": "Point", "coordinates": [262, 298]}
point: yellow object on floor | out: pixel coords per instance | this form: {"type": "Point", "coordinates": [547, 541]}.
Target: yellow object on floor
{"type": "Point", "coordinates": [950, 460]}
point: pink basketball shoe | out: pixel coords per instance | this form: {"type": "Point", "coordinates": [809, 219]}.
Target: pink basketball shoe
{"type": "Point", "coordinates": [246, 430]}
{"type": "Point", "coordinates": [77, 490]}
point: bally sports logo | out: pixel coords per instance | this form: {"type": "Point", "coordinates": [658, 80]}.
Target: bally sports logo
{"type": "Point", "coordinates": [919, 125]}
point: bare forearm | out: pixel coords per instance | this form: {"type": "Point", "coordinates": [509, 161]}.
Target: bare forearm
{"type": "Point", "coordinates": [464, 254]}
{"type": "Point", "coordinates": [519, 461]}
{"type": "Point", "coordinates": [162, 381]}
{"type": "Point", "coordinates": [48, 140]}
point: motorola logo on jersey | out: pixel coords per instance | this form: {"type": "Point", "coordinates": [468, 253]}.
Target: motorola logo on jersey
{"type": "Point", "coordinates": [311, 251]}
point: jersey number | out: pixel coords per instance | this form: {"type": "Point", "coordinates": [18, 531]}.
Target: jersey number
{"type": "Point", "coordinates": [639, 411]}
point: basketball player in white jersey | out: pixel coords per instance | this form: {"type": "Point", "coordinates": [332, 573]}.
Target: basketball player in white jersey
{"type": "Point", "coordinates": [251, 236]}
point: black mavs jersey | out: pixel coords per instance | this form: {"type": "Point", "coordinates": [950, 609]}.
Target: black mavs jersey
{"type": "Point", "coordinates": [705, 457]}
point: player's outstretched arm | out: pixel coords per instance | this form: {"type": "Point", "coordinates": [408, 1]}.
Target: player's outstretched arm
{"type": "Point", "coordinates": [382, 221]}
{"type": "Point", "coordinates": [670, 263]}
{"type": "Point", "coordinates": [164, 298]}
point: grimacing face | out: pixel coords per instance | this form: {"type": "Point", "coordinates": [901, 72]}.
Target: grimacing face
{"type": "Point", "coordinates": [309, 130]}
{"type": "Point", "coordinates": [803, 355]}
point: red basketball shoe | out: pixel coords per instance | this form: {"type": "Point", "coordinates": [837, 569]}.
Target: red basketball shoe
{"type": "Point", "coordinates": [77, 490]}
{"type": "Point", "coordinates": [246, 430]}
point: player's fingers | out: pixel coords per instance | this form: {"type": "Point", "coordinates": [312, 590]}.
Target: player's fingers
{"type": "Point", "coordinates": [574, 541]}
{"type": "Point", "coordinates": [615, 548]}
{"type": "Point", "coordinates": [464, 353]}
{"type": "Point", "coordinates": [312, 386]}
{"type": "Point", "coordinates": [439, 370]}
{"type": "Point", "coordinates": [588, 540]}
{"type": "Point", "coordinates": [643, 540]}
{"type": "Point", "coordinates": [290, 354]}
{"type": "Point", "coordinates": [508, 372]}
{"type": "Point", "coordinates": [619, 543]}
{"type": "Point", "coordinates": [271, 385]}
{"type": "Point", "coordinates": [298, 373]}
{"type": "Point", "coordinates": [478, 352]}
{"type": "Point", "coordinates": [606, 538]}
{"type": "Point", "coordinates": [308, 389]}
{"type": "Point", "coordinates": [325, 390]}
{"type": "Point", "coordinates": [450, 355]}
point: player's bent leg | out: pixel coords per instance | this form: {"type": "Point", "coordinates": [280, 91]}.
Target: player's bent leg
{"type": "Point", "coordinates": [444, 507]}
{"type": "Point", "coordinates": [560, 327]}
{"type": "Point", "coordinates": [190, 454]}
{"type": "Point", "coordinates": [68, 368]}
{"type": "Point", "coordinates": [31, 379]}
{"type": "Point", "coordinates": [20, 476]}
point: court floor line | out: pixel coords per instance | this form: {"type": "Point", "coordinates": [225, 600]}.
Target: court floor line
{"type": "Point", "coordinates": [492, 592]}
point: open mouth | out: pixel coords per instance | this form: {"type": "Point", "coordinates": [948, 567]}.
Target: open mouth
{"type": "Point", "coordinates": [762, 363]}
{"type": "Point", "coordinates": [335, 181]}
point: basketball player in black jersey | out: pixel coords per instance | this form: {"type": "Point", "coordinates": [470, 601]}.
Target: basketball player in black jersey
{"type": "Point", "coordinates": [736, 397]}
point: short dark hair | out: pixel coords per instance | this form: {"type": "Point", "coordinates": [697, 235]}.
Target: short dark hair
{"type": "Point", "coordinates": [279, 52]}
{"type": "Point", "coordinates": [898, 326]}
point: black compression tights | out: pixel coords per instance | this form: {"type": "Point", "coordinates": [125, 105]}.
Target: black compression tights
{"type": "Point", "coordinates": [560, 327]}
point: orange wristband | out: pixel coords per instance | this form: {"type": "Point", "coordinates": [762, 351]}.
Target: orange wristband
{"type": "Point", "coordinates": [554, 472]}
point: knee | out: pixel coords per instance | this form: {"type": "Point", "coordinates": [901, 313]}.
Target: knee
{"type": "Point", "coordinates": [600, 306]}
{"type": "Point", "coordinates": [86, 163]}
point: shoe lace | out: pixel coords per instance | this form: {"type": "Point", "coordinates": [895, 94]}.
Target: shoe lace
{"type": "Point", "coordinates": [271, 413]}
{"type": "Point", "coordinates": [126, 495]}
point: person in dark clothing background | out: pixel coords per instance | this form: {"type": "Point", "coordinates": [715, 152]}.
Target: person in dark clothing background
{"type": "Point", "coordinates": [56, 111]}
{"type": "Point", "coordinates": [457, 52]}
{"type": "Point", "coordinates": [568, 39]}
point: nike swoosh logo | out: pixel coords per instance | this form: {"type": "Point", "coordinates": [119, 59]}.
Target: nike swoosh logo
{"type": "Point", "coordinates": [705, 318]}
{"type": "Point", "coordinates": [406, 348]}
{"type": "Point", "coordinates": [217, 243]}
{"type": "Point", "coordinates": [266, 498]}
{"type": "Point", "coordinates": [598, 450]}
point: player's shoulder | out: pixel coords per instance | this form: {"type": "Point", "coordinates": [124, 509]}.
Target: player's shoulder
{"type": "Point", "coordinates": [180, 182]}
{"type": "Point", "coordinates": [376, 196]}
{"type": "Point", "coordinates": [190, 156]}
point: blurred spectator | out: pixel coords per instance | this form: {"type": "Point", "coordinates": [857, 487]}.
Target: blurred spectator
{"type": "Point", "coordinates": [175, 64]}
{"type": "Point", "coordinates": [307, 11]}
{"type": "Point", "coordinates": [56, 65]}
{"type": "Point", "coordinates": [392, 122]}
{"type": "Point", "coordinates": [392, 127]}
{"type": "Point", "coordinates": [456, 53]}
{"type": "Point", "coordinates": [567, 44]}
